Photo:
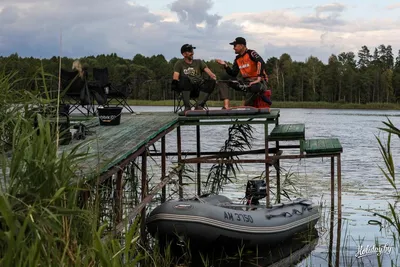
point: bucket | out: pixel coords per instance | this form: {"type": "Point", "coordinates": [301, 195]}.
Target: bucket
{"type": "Point", "coordinates": [109, 115]}
{"type": "Point", "coordinates": [260, 103]}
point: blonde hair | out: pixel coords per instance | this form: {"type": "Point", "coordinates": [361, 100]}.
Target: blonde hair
{"type": "Point", "coordinates": [76, 65]}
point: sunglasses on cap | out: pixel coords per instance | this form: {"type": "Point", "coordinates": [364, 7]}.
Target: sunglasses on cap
{"type": "Point", "coordinates": [187, 48]}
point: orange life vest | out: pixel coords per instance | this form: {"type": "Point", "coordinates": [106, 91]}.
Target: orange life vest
{"type": "Point", "coordinates": [250, 64]}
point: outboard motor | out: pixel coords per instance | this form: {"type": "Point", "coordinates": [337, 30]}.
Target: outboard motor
{"type": "Point", "coordinates": [255, 190]}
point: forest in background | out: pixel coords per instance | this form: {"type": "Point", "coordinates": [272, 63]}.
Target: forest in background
{"type": "Point", "coordinates": [371, 77]}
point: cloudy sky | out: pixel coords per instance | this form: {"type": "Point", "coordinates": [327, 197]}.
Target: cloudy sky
{"type": "Point", "coordinates": [149, 27]}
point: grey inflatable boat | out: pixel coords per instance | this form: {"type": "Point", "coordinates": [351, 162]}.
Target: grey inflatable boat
{"type": "Point", "coordinates": [216, 219]}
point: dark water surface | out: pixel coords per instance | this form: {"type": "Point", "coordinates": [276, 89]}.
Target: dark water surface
{"type": "Point", "coordinates": [364, 188]}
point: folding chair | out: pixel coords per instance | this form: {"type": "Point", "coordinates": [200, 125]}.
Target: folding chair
{"type": "Point", "coordinates": [76, 92]}
{"type": "Point", "coordinates": [117, 93]}
{"type": "Point", "coordinates": [194, 97]}
{"type": "Point", "coordinates": [178, 100]}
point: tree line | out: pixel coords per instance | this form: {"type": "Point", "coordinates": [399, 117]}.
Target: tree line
{"type": "Point", "coordinates": [373, 77]}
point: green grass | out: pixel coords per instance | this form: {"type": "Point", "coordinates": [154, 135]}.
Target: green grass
{"type": "Point", "coordinates": [279, 104]}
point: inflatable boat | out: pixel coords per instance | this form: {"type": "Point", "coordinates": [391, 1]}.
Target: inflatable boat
{"type": "Point", "coordinates": [216, 219]}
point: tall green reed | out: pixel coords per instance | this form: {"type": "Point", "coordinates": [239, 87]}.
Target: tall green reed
{"type": "Point", "coordinates": [390, 219]}
{"type": "Point", "coordinates": [42, 219]}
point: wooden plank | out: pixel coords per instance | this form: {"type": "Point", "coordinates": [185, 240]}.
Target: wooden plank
{"type": "Point", "coordinates": [288, 132]}
{"type": "Point", "coordinates": [109, 145]}
{"type": "Point", "coordinates": [318, 146]}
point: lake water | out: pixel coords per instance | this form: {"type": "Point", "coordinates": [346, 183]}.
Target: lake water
{"type": "Point", "coordinates": [364, 187]}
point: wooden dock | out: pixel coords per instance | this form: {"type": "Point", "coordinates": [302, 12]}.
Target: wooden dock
{"type": "Point", "coordinates": [113, 148]}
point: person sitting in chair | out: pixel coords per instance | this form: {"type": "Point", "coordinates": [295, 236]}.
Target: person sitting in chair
{"type": "Point", "coordinates": [251, 66]}
{"type": "Point", "coordinates": [188, 79]}
{"type": "Point", "coordinates": [76, 65]}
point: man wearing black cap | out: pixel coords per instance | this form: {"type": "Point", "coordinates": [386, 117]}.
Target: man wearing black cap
{"type": "Point", "coordinates": [188, 78]}
{"type": "Point", "coordinates": [251, 66]}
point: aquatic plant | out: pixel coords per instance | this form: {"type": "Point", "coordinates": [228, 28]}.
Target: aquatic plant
{"type": "Point", "coordinates": [42, 221]}
{"type": "Point", "coordinates": [239, 139]}
{"type": "Point", "coordinates": [391, 219]}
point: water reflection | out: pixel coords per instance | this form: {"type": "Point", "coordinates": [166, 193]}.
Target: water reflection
{"type": "Point", "coordinates": [287, 253]}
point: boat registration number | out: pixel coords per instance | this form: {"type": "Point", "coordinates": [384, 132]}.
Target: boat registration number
{"type": "Point", "coordinates": [238, 217]}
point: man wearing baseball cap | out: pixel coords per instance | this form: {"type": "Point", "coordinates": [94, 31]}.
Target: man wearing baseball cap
{"type": "Point", "coordinates": [188, 78]}
{"type": "Point", "coordinates": [251, 66]}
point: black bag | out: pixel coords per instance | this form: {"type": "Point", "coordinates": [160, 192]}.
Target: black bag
{"type": "Point", "coordinates": [85, 95]}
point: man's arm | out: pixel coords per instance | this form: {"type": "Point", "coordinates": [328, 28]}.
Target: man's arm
{"type": "Point", "coordinates": [210, 73]}
{"type": "Point", "coordinates": [206, 69]}
{"type": "Point", "coordinates": [175, 76]}
{"type": "Point", "coordinates": [177, 70]}
{"type": "Point", "coordinates": [234, 71]}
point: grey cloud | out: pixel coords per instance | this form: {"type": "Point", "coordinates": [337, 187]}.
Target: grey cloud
{"type": "Point", "coordinates": [325, 17]}
{"type": "Point", "coordinates": [195, 12]}
{"type": "Point", "coordinates": [317, 22]}
{"type": "Point", "coordinates": [335, 8]}
{"type": "Point", "coordinates": [8, 16]}
{"type": "Point", "coordinates": [88, 27]}
{"type": "Point", "coordinates": [100, 27]}
{"type": "Point", "coordinates": [97, 27]}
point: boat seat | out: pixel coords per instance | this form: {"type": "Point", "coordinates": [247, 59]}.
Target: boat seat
{"type": "Point", "coordinates": [321, 146]}
{"type": "Point", "coordinates": [285, 132]}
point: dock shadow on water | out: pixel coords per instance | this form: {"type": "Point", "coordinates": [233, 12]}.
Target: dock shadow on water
{"type": "Point", "coordinates": [286, 253]}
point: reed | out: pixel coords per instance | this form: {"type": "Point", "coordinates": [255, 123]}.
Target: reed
{"type": "Point", "coordinates": [240, 137]}
{"type": "Point", "coordinates": [389, 220]}
{"type": "Point", "coordinates": [43, 221]}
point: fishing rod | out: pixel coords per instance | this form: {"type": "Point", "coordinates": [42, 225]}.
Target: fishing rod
{"type": "Point", "coordinates": [244, 87]}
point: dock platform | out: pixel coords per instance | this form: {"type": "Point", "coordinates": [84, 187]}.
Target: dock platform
{"type": "Point", "coordinates": [109, 146]}
{"type": "Point", "coordinates": [113, 148]}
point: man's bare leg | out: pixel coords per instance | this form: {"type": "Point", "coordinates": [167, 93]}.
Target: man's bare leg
{"type": "Point", "coordinates": [226, 103]}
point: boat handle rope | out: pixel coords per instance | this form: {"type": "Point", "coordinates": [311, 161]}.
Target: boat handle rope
{"type": "Point", "coordinates": [288, 214]}
{"type": "Point", "coordinates": [284, 214]}
{"type": "Point", "coordinates": [296, 211]}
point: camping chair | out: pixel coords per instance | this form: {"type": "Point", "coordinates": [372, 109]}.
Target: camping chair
{"type": "Point", "coordinates": [178, 100]}
{"type": "Point", "coordinates": [117, 93]}
{"type": "Point", "coordinates": [76, 92]}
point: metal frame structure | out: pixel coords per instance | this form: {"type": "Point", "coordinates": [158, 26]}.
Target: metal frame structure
{"type": "Point", "coordinates": [272, 157]}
